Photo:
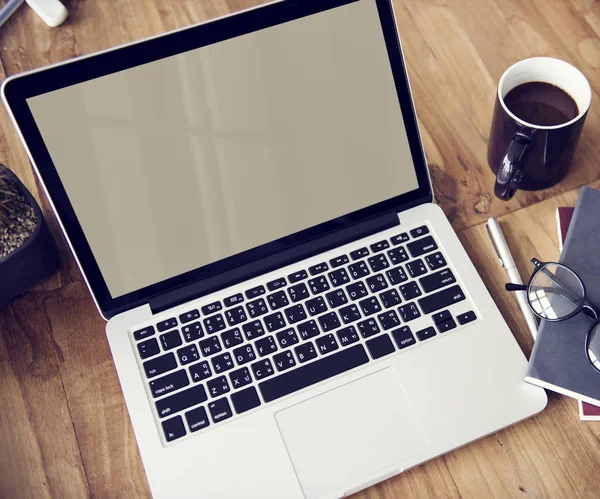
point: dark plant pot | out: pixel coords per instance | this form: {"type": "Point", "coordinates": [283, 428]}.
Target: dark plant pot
{"type": "Point", "coordinates": [36, 259]}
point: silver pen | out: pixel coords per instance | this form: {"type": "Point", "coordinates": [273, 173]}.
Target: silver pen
{"type": "Point", "coordinates": [8, 10]}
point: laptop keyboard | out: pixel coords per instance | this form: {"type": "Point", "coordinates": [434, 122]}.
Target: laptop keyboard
{"type": "Point", "coordinates": [234, 355]}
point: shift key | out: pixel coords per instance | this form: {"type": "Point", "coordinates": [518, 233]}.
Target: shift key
{"type": "Point", "coordinates": [441, 299]}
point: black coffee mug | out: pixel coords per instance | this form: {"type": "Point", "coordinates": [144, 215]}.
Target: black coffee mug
{"type": "Point", "coordinates": [534, 156]}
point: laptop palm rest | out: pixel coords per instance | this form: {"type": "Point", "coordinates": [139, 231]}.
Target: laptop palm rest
{"type": "Point", "coordinates": [330, 456]}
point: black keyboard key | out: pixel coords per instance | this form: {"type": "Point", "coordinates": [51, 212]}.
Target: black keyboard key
{"type": "Point", "coordinates": [232, 338]}
{"type": "Point", "coordinates": [356, 290]}
{"type": "Point", "coordinates": [188, 354]}
{"type": "Point", "coordinates": [347, 336]}
{"type": "Point", "coordinates": [421, 246]}
{"type": "Point", "coordinates": [442, 327]}
{"type": "Point", "coordinates": [236, 315]}
{"type": "Point", "coordinates": [442, 316]}
{"type": "Point", "coordinates": [397, 255]}
{"type": "Point", "coordinates": [419, 231]}
{"type": "Point", "coordinates": [255, 291]}
{"type": "Point", "coordinates": [403, 337]}
{"type": "Point", "coordinates": [200, 371]}
{"type": "Point", "coordinates": [425, 334]}
{"type": "Point", "coordinates": [396, 275]}
{"type": "Point", "coordinates": [189, 316]}
{"type": "Point", "coordinates": [167, 324]}
{"type": "Point", "coordinates": [370, 306]}
{"type": "Point", "coordinates": [379, 262]}
{"type": "Point", "coordinates": [274, 322]}
{"type": "Point", "coordinates": [466, 317]}
{"type": "Point", "coordinates": [318, 285]}
{"type": "Point", "coordinates": [437, 280]}
{"type": "Point", "coordinates": [278, 300]}
{"type": "Point", "coordinates": [214, 324]}
{"type": "Point", "coordinates": [314, 372]}
{"type": "Point", "coordinates": [211, 308]}
{"type": "Point", "coordinates": [284, 360]}
{"type": "Point", "coordinates": [265, 346]}
{"type": "Point", "coordinates": [220, 410]}
{"type": "Point", "coordinates": [376, 283]}
{"type": "Point", "coordinates": [244, 354]}
{"type": "Point", "coordinates": [339, 260]}
{"type": "Point", "coordinates": [173, 428]}
{"type": "Point", "coordinates": [326, 344]}
{"type": "Point", "coordinates": [253, 330]}
{"type": "Point", "coordinates": [349, 314]}
{"type": "Point", "coordinates": [140, 334]}
{"type": "Point", "coordinates": [197, 419]}
{"type": "Point", "coordinates": [179, 401]}
{"type": "Point", "coordinates": [148, 348]}
{"type": "Point", "coordinates": [329, 321]}
{"type": "Point", "coordinates": [257, 308]}
{"type": "Point", "coordinates": [359, 253]}
{"type": "Point", "coordinates": [262, 369]}
{"type": "Point", "coordinates": [416, 268]}
{"type": "Point", "coordinates": [298, 292]}
{"type": "Point", "coordinates": [305, 352]}
{"type": "Point", "coordinates": [339, 277]}
{"type": "Point", "coordinates": [217, 386]}
{"type": "Point", "coordinates": [316, 306]}
{"type": "Point", "coordinates": [399, 239]}
{"type": "Point", "coordinates": [318, 269]}
{"type": "Point", "coordinates": [308, 329]}
{"type": "Point", "coordinates": [359, 270]}
{"type": "Point", "coordinates": [240, 377]}
{"type": "Point", "coordinates": [390, 298]}
{"type": "Point", "coordinates": [336, 298]}
{"type": "Point", "coordinates": [169, 383]}
{"type": "Point", "coordinates": [435, 261]}
{"type": "Point", "coordinates": [441, 299]}
{"type": "Point", "coordinates": [170, 340]}
{"type": "Point", "coordinates": [297, 276]}
{"type": "Point", "coordinates": [389, 320]}
{"type": "Point", "coordinates": [276, 284]}
{"type": "Point", "coordinates": [192, 331]}
{"type": "Point", "coordinates": [245, 400]}
{"type": "Point", "coordinates": [295, 313]}
{"type": "Point", "coordinates": [380, 346]}
{"type": "Point", "coordinates": [222, 362]}
{"type": "Point", "coordinates": [380, 246]}
{"type": "Point", "coordinates": [410, 290]}
{"type": "Point", "coordinates": [287, 338]}
{"type": "Point", "coordinates": [210, 346]}
{"type": "Point", "coordinates": [368, 328]}
{"type": "Point", "coordinates": [409, 312]}
{"type": "Point", "coordinates": [233, 300]}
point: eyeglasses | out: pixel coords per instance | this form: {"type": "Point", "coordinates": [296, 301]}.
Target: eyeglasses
{"type": "Point", "coordinates": [556, 293]}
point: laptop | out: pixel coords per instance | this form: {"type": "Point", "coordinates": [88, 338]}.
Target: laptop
{"type": "Point", "coordinates": [248, 200]}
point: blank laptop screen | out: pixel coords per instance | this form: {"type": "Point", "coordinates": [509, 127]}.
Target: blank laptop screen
{"type": "Point", "coordinates": [181, 162]}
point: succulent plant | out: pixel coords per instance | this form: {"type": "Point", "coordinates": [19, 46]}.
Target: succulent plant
{"type": "Point", "coordinates": [7, 195]}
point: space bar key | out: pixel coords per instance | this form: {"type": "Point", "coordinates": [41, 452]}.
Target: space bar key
{"type": "Point", "coordinates": [312, 373]}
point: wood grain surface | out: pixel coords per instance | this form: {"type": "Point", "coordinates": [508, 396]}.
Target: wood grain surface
{"type": "Point", "coordinates": [64, 426]}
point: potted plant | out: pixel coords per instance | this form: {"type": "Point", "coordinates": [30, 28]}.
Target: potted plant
{"type": "Point", "coordinates": [27, 251]}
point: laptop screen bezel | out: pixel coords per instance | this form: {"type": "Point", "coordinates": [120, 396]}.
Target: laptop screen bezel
{"type": "Point", "coordinates": [18, 89]}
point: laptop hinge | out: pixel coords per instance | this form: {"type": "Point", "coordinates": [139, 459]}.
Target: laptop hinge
{"type": "Point", "coordinates": [272, 262]}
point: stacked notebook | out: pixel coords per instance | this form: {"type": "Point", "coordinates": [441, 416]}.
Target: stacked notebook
{"type": "Point", "coordinates": [558, 360]}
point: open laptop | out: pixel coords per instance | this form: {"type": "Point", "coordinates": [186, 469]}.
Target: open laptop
{"type": "Point", "coordinates": [249, 203]}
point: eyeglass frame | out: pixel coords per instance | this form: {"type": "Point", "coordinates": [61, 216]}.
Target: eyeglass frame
{"type": "Point", "coordinates": [588, 308]}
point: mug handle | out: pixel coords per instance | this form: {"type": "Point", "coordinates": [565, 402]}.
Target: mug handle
{"type": "Point", "coordinates": [510, 172]}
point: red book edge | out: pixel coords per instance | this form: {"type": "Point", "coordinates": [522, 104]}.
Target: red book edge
{"type": "Point", "coordinates": [564, 214]}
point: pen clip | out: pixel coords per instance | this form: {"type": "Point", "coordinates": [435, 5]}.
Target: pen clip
{"type": "Point", "coordinates": [494, 245]}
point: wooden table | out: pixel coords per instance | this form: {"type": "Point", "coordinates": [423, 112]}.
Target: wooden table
{"type": "Point", "coordinates": [64, 428]}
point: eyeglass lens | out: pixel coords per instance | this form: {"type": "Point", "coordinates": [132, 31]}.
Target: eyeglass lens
{"type": "Point", "coordinates": [555, 291]}
{"type": "Point", "coordinates": [594, 346]}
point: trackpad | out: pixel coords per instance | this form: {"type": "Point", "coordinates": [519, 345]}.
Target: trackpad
{"type": "Point", "coordinates": [351, 435]}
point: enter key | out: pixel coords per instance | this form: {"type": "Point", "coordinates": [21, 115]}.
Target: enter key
{"type": "Point", "coordinates": [437, 280]}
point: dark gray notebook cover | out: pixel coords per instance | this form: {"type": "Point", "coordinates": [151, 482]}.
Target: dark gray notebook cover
{"type": "Point", "coordinates": [558, 361]}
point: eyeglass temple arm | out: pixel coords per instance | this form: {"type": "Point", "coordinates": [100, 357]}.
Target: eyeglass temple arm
{"type": "Point", "coordinates": [510, 286]}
